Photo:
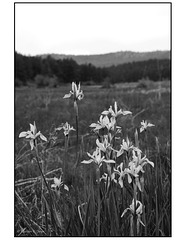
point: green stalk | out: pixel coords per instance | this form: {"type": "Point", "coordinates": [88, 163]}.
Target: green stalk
{"type": "Point", "coordinates": [77, 140]}
{"type": "Point", "coordinates": [156, 189]}
{"type": "Point", "coordinates": [42, 192]}
{"type": "Point", "coordinates": [144, 215]}
{"type": "Point", "coordinates": [146, 140]}
{"type": "Point", "coordinates": [65, 159]}
{"type": "Point", "coordinates": [48, 188]}
{"type": "Point", "coordinates": [131, 225]}
{"type": "Point", "coordinates": [77, 129]}
{"type": "Point", "coordinates": [42, 181]}
{"type": "Point", "coordinates": [99, 200]}
{"type": "Point", "coordinates": [135, 215]}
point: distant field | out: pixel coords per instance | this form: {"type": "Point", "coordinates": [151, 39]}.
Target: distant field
{"type": "Point", "coordinates": [48, 109]}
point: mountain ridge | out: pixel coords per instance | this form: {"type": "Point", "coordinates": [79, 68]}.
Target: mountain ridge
{"type": "Point", "coordinates": [112, 58]}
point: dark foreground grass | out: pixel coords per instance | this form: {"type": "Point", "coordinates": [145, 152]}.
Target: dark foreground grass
{"type": "Point", "coordinates": [75, 212]}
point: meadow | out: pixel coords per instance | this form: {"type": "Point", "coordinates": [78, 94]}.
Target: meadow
{"type": "Point", "coordinates": [58, 193]}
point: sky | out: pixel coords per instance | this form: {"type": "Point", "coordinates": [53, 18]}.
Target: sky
{"type": "Point", "coordinates": [83, 29]}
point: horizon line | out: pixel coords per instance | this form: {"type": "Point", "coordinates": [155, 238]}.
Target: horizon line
{"type": "Point", "coordinates": [92, 54]}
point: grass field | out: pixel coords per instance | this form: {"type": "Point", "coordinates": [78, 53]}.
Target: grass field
{"type": "Point", "coordinates": [90, 206]}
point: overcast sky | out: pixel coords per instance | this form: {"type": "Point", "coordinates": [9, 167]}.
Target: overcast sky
{"type": "Point", "coordinates": [91, 28]}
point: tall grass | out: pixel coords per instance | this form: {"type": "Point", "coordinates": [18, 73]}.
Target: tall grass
{"type": "Point", "coordinates": [94, 199]}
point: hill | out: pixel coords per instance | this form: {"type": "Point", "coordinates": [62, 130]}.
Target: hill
{"type": "Point", "coordinates": [109, 59]}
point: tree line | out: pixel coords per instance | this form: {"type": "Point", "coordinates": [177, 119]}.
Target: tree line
{"type": "Point", "coordinates": [51, 72]}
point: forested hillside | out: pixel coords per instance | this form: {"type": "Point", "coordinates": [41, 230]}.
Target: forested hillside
{"type": "Point", "coordinates": [51, 72]}
{"type": "Point", "coordinates": [110, 59]}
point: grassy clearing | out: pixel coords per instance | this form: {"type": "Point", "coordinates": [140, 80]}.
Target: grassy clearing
{"type": "Point", "coordinates": [90, 207]}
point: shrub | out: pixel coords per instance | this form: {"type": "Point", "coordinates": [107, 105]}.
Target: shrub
{"type": "Point", "coordinates": [145, 83]}
{"type": "Point", "coordinates": [41, 81]}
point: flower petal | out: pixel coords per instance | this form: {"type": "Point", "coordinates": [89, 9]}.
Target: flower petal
{"type": "Point", "coordinates": [100, 145]}
{"type": "Point", "coordinates": [121, 182]}
{"type": "Point", "coordinates": [93, 125]}
{"type": "Point", "coordinates": [87, 161]}
{"type": "Point", "coordinates": [35, 129]}
{"type": "Point", "coordinates": [115, 107]}
{"type": "Point", "coordinates": [23, 134]}
{"type": "Point", "coordinates": [32, 128]}
{"type": "Point", "coordinates": [66, 187]}
{"type": "Point", "coordinates": [32, 144]}
{"type": "Point", "coordinates": [105, 112]}
{"type": "Point", "coordinates": [57, 181]}
{"type": "Point", "coordinates": [126, 112]}
{"type": "Point", "coordinates": [43, 137]}
{"type": "Point", "coordinates": [120, 152]}
{"type": "Point", "coordinates": [67, 95]}
{"type": "Point", "coordinates": [129, 178]}
{"type": "Point", "coordinates": [109, 161]}
{"type": "Point", "coordinates": [125, 211]}
{"type": "Point", "coordinates": [150, 125]}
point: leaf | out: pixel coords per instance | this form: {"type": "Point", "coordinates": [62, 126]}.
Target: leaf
{"type": "Point", "coordinates": [136, 139]}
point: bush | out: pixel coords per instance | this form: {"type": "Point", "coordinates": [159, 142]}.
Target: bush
{"type": "Point", "coordinates": [53, 82]}
{"type": "Point", "coordinates": [145, 83]}
{"type": "Point", "coordinates": [40, 81]}
{"type": "Point", "coordinates": [106, 82]}
{"type": "Point", "coordinates": [45, 81]}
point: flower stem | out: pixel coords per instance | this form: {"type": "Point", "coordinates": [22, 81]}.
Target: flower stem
{"type": "Point", "coordinates": [40, 169]}
{"type": "Point", "coordinates": [99, 201]}
{"type": "Point", "coordinates": [77, 130]}
{"type": "Point", "coordinates": [65, 159]}
{"type": "Point", "coordinates": [146, 140]}
{"type": "Point", "coordinates": [49, 190]}
{"type": "Point", "coordinates": [135, 215]}
{"type": "Point", "coordinates": [42, 191]}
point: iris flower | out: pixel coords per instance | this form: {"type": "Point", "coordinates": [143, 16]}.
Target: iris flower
{"type": "Point", "coordinates": [136, 166]}
{"type": "Point", "coordinates": [66, 127]}
{"type": "Point", "coordinates": [108, 179]}
{"type": "Point", "coordinates": [139, 161]}
{"type": "Point", "coordinates": [139, 210]}
{"type": "Point", "coordinates": [105, 145]}
{"type": "Point", "coordinates": [114, 112]}
{"type": "Point", "coordinates": [104, 122]}
{"type": "Point", "coordinates": [121, 172]}
{"type": "Point", "coordinates": [97, 158]}
{"type": "Point", "coordinates": [76, 92]}
{"type": "Point", "coordinates": [32, 135]}
{"type": "Point", "coordinates": [125, 146]}
{"type": "Point", "coordinates": [58, 183]}
{"type": "Point", "coordinates": [145, 125]}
